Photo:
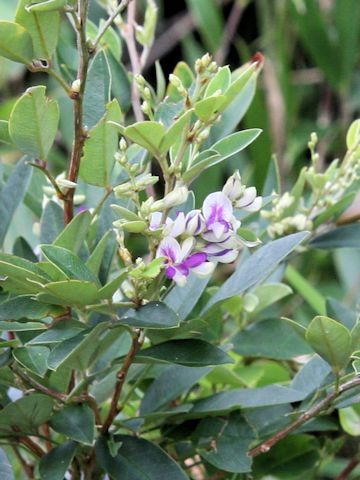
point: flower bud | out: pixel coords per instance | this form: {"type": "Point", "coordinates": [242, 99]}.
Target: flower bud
{"type": "Point", "coordinates": [124, 190]}
{"type": "Point", "coordinates": [176, 197]}
{"type": "Point", "coordinates": [233, 187]}
{"type": "Point", "coordinates": [194, 223]}
{"type": "Point", "coordinates": [122, 144]}
{"type": "Point", "coordinates": [76, 85]}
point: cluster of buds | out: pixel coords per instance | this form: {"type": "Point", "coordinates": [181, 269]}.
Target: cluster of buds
{"type": "Point", "coordinates": [147, 105]}
{"type": "Point", "coordinates": [205, 65]}
{"type": "Point", "coordinates": [196, 241]}
{"type": "Point", "coordinates": [291, 212]}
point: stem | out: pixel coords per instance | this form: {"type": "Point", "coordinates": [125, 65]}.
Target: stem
{"type": "Point", "coordinates": [303, 418]}
{"type": "Point", "coordinates": [32, 446]}
{"type": "Point", "coordinates": [53, 74]}
{"type": "Point", "coordinates": [229, 33]}
{"type": "Point", "coordinates": [28, 469]}
{"type": "Point", "coordinates": [38, 386]}
{"type": "Point", "coordinates": [120, 380]}
{"type": "Point", "coordinates": [80, 134]}
{"type": "Point", "coordinates": [128, 34]}
{"type": "Point", "coordinates": [344, 475]}
{"type": "Point", "coordinates": [52, 180]}
{"type": "Point", "coordinates": [123, 4]}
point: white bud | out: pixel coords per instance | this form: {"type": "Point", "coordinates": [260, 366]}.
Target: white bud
{"type": "Point", "coordinates": [122, 144]}
{"type": "Point", "coordinates": [76, 85]}
{"type": "Point", "coordinates": [233, 187]}
{"type": "Point", "coordinates": [176, 197]}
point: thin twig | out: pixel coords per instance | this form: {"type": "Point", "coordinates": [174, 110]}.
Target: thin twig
{"type": "Point", "coordinates": [350, 467]}
{"type": "Point", "coordinates": [38, 386]}
{"type": "Point", "coordinates": [229, 32]}
{"type": "Point", "coordinates": [28, 469]}
{"type": "Point", "coordinates": [120, 380]}
{"type": "Point", "coordinates": [128, 33]}
{"type": "Point", "coordinates": [304, 417]}
{"type": "Point", "coordinates": [50, 177]}
{"type": "Point", "coordinates": [80, 134]}
{"type": "Point", "coordinates": [47, 69]}
{"type": "Point", "coordinates": [120, 8]}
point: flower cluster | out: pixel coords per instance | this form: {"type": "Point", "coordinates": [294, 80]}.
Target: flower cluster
{"type": "Point", "coordinates": [196, 241]}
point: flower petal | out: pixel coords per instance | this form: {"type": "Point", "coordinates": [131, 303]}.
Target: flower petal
{"type": "Point", "coordinates": [155, 220]}
{"type": "Point", "coordinates": [195, 260]}
{"type": "Point", "coordinates": [186, 248]}
{"type": "Point", "coordinates": [170, 248]}
{"type": "Point", "coordinates": [216, 208]}
{"type": "Point", "coordinates": [204, 270]}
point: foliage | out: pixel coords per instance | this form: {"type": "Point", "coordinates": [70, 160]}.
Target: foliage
{"type": "Point", "coordinates": [145, 289]}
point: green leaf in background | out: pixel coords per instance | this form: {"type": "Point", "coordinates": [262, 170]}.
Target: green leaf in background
{"type": "Point", "coordinates": [152, 315]}
{"type": "Point", "coordinates": [353, 135]}
{"type": "Point", "coordinates": [233, 436]}
{"type": "Point", "coordinates": [33, 122]}
{"type": "Point", "coordinates": [245, 398]}
{"type": "Point", "coordinates": [309, 293]}
{"type": "Point", "coordinates": [4, 132]}
{"type": "Point", "coordinates": [134, 457]}
{"type": "Point", "coordinates": [6, 471]}
{"type": "Point", "coordinates": [21, 326]}
{"type": "Point", "coordinates": [311, 376]}
{"type": "Point", "coordinates": [95, 259]}
{"type": "Point", "coordinates": [97, 91]}
{"type": "Point", "coordinates": [208, 16]}
{"type": "Point", "coordinates": [184, 72]}
{"type": "Point", "coordinates": [44, 28]}
{"type": "Point", "coordinates": [209, 106]}
{"type": "Point", "coordinates": [54, 465]}
{"type": "Point", "coordinates": [76, 422]}
{"type": "Point", "coordinates": [21, 248]}
{"type": "Point", "coordinates": [257, 267]}
{"type": "Point", "coordinates": [51, 222]}
{"type": "Point", "coordinates": [173, 382]}
{"type": "Point", "coordinates": [73, 236]}
{"type": "Point", "coordinates": [47, 6]}
{"type": "Point", "coordinates": [350, 420]}
{"type": "Point", "coordinates": [20, 269]}
{"type": "Point", "coordinates": [347, 236]}
{"type": "Point", "coordinates": [58, 333]}
{"type": "Point", "coordinates": [257, 340]}
{"type": "Point", "coordinates": [12, 194]}
{"type": "Point", "coordinates": [15, 42]}
{"type": "Point", "coordinates": [342, 313]}
{"type": "Point", "coordinates": [100, 147]}
{"type": "Point", "coordinates": [220, 81]}
{"type": "Point", "coordinates": [32, 358]}
{"type": "Point", "coordinates": [68, 263]}
{"type": "Point", "coordinates": [196, 353]}
{"type": "Point", "coordinates": [331, 340]}
{"type": "Point", "coordinates": [27, 413]}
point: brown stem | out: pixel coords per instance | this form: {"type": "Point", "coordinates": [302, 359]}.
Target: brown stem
{"type": "Point", "coordinates": [304, 417]}
{"type": "Point", "coordinates": [229, 32]}
{"type": "Point", "coordinates": [32, 446]}
{"type": "Point", "coordinates": [38, 386]}
{"type": "Point", "coordinates": [80, 134]}
{"type": "Point", "coordinates": [120, 380]}
{"type": "Point", "coordinates": [128, 34]}
{"type": "Point", "coordinates": [344, 475]}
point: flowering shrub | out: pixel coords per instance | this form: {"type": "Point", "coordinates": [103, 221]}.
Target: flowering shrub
{"type": "Point", "coordinates": [131, 315]}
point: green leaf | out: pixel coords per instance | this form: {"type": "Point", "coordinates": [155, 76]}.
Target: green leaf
{"type": "Point", "coordinates": [44, 28]}
{"type": "Point", "coordinates": [98, 90]}
{"type": "Point", "coordinates": [51, 222]}
{"type": "Point", "coordinates": [350, 420]}
{"type": "Point", "coordinates": [245, 398]}
{"type": "Point", "coordinates": [196, 353]}
{"type": "Point", "coordinates": [232, 436]}
{"type": "Point", "coordinates": [33, 122]}
{"type": "Point", "coordinates": [6, 471]}
{"type": "Point", "coordinates": [208, 16]}
{"type": "Point", "coordinates": [20, 269]}
{"type": "Point", "coordinates": [15, 42]}
{"type": "Point", "coordinates": [100, 147]}
{"type": "Point", "coordinates": [173, 382]}
{"type": "Point", "coordinates": [58, 333]}
{"type": "Point", "coordinates": [68, 263]}
{"type": "Point", "coordinates": [77, 351]}
{"type": "Point", "coordinates": [54, 465]}
{"type": "Point", "coordinates": [270, 293]}
{"type": "Point", "coordinates": [176, 130]}
{"type": "Point", "coordinates": [148, 135]}
{"type": "Point", "coordinates": [306, 290]}
{"type": "Point", "coordinates": [71, 292]}
{"type": "Point", "coordinates": [12, 194]}
{"type": "Point", "coordinates": [203, 161]}
{"type": "Point", "coordinates": [96, 257]}
{"type": "Point", "coordinates": [220, 81]}
{"type": "Point", "coordinates": [136, 459]}
{"type": "Point", "coordinates": [23, 307]}
{"type": "Point", "coordinates": [110, 41]}
{"type": "Point", "coordinates": [152, 315]}
{"type": "Point", "coordinates": [347, 236]}
{"type": "Point", "coordinates": [341, 313]}
{"type": "Point", "coordinates": [257, 340]}
{"type": "Point", "coordinates": [33, 358]}
{"type": "Point", "coordinates": [331, 340]}
{"type": "Point", "coordinates": [209, 106]}
{"type": "Point", "coordinates": [47, 6]}
{"type": "Point", "coordinates": [4, 131]}
{"type": "Point", "coordinates": [73, 236]}
{"type": "Point", "coordinates": [184, 72]}
{"type": "Point", "coordinates": [183, 299]}
{"type": "Point", "coordinates": [257, 267]}
{"type": "Point", "coordinates": [27, 413]}
{"type": "Point", "coordinates": [21, 326]}
{"type": "Point", "coordinates": [76, 422]}
{"type": "Point", "coordinates": [311, 376]}
{"type": "Point", "coordinates": [108, 290]}
{"type": "Point", "coordinates": [353, 135]}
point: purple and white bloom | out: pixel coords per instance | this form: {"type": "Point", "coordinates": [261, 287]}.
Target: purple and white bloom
{"type": "Point", "coordinates": [194, 223]}
{"type": "Point", "coordinates": [218, 214]}
{"type": "Point", "coordinates": [249, 201]}
{"type": "Point", "coordinates": [180, 262]}
{"type": "Point", "coordinates": [175, 228]}
{"type": "Point", "coordinates": [219, 253]}
{"type": "Point", "coordinates": [155, 221]}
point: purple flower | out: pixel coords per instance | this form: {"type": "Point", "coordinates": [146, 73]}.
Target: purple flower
{"type": "Point", "coordinates": [155, 221]}
{"type": "Point", "coordinates": [180, 262]}
{"type": "Point", "coordinates": [218, 213]}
